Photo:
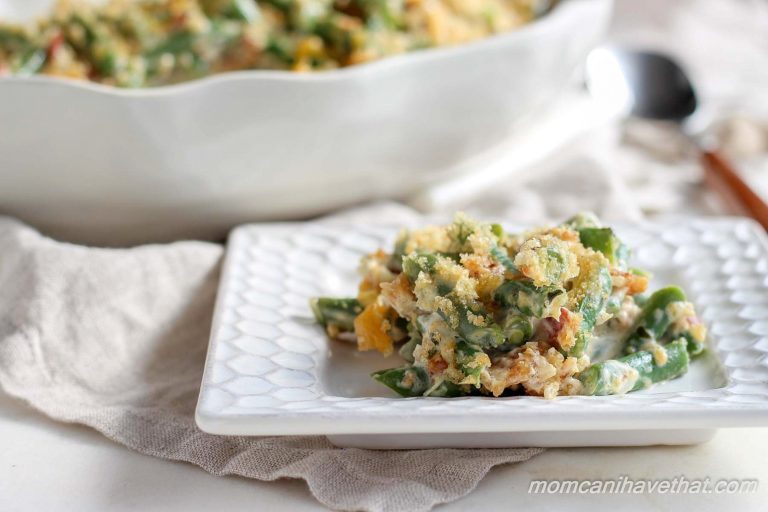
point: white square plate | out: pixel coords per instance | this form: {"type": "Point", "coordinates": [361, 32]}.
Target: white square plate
{"type": "Point", "coordinates": [271, 370]}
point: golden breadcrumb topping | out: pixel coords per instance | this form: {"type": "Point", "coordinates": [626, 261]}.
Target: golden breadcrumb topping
{"type": "Point", "coordinates": [541, 370]}
{"type": "Point", "coordinates": [547, 260]}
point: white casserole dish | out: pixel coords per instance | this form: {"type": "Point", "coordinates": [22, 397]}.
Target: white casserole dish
{"type": "Point", "coordinates": [104, 165]}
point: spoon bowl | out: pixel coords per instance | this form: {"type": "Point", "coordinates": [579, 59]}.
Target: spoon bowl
{"type": "Point", "coordinates": [641, 84]}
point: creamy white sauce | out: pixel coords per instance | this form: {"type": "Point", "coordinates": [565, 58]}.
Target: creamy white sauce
{"type": "Point", "coordinates": [605, 345]}
{"type": "Point", "coordinates": [621, 377]}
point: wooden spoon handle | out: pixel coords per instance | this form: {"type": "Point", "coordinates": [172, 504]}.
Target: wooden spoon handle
{"type": "Point", "coordinates": [734, 190]}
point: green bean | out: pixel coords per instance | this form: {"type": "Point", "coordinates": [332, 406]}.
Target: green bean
{"type": "Point", "coordinates": [695, 347]}
{"type": "Point", "coordinates": [379, 13]}
{"type": "Point", "coordinates": [640, 272]}
{"type": "Point", "coordinates": [98, 45]}
{"type": "Point", "coordinates": [582, 343]}
{"type": "Point", "coordinates": [611, 377]}
{"type": "Point", "coordinates": [486, 336]}
{"type": "Point", "coordinates": [613, 305]}
{"type": "Point", "coordinates": [31, 62]}
{"type": "Point", "coordinates": [407, 348]}
{"type": "Point", "coordinates": [176, 43]}
{"type": "Point", "coordinates": [461, 231]}
{"type": "Point", "coordinates": [88, 33]}
{"type": "Point", "coordinates": [651, 372]}
{"type": "Point", "coordinates": [282, 5]}
{"type": "Point", "coordinates": [583, 220]}
{"type": "Point", "coordinates": [15, 41]}
{"type": "Point", "coordinates": [338, 38]}
{"type": "Point", "coordinates": [13, 35]}
{"type": "Point", "coordinates": [336, 313]}
{"type": "Point", "coordinates": [526, 297]}
{"type": "Point", "coordinates": [593, 285]}
{"type": "Point", "coordinates": [398, 329]}
{"type": "Point", "coordinates": [517, 329]}
{"type": "Point", "coordinates": [304, 16]}
{"type": "Point", "coordinates": [502, 257]}
{"type": "Point", "coordinates": [184, 43]}
{"type": "Point", "coordinates": [246, 10]}
{"type": "Point", "coordinates": [406, 381]}
{"type": "Point", "coordinates": [467, 360]}
{"type": "Point", "coordinates": [635, 371]}
{"type": "Point", "coordinates": [448, 389]}
{"type": "Point", "coordinates": [605, 241]}
{"type": "Point", "coordinates": [280, 47]}
{"type": "Point", "coordinates": [395, 262]}
{"type": "Point", "coordinates": [31, 56]}
{"type": "Point", "coordinates": [592, 288]}
{"type": "Point", "coordinates": [552, 261]}
{"type": "Point", "coordinates": [654, 318]}
{"type": "Point", "coordinates": [419, 262]}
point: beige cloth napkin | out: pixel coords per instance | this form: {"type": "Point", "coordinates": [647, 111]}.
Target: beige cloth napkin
{"type": "Point", "coordinates": [115, 339]}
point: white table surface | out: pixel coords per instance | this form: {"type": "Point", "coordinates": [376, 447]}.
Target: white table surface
{"type": "Point", "coordinates": [47, 466]}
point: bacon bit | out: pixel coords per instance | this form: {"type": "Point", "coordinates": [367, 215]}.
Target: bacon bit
{"type": "Point", "coordinates": [179, 20]}
{"type": "Point", "coordinates": [436, 364]}
{"type": "Point", "coordinates": [55, 45]}
{"type": "Point", "coordinates": [403, 286]}
{"type": "Point", "coordinates": [551, 327]}
{"type": "Point", "coordinates": [349, 23]}
{"type": "Point", "coordinates": [399, 296]}
{"type": "Point", "coordinates": [350, 8]}
{"type": "Point", "coordinates": [243, 55]}
{"type": "Point", "coordinates": [476, 265]}
{"type": "Point", "coordinates": [561, 332]}
{"type": "Point", "coordinates": [250, 42]}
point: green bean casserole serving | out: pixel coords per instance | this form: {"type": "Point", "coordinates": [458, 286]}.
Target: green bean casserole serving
{"type": "Point", "coordinates": [137, 43]}
{"type": "Point", "coordinates": [474, 310]}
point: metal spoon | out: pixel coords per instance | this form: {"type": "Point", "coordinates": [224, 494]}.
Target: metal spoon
{"type": "Point", "coordinates": [653, 86]}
